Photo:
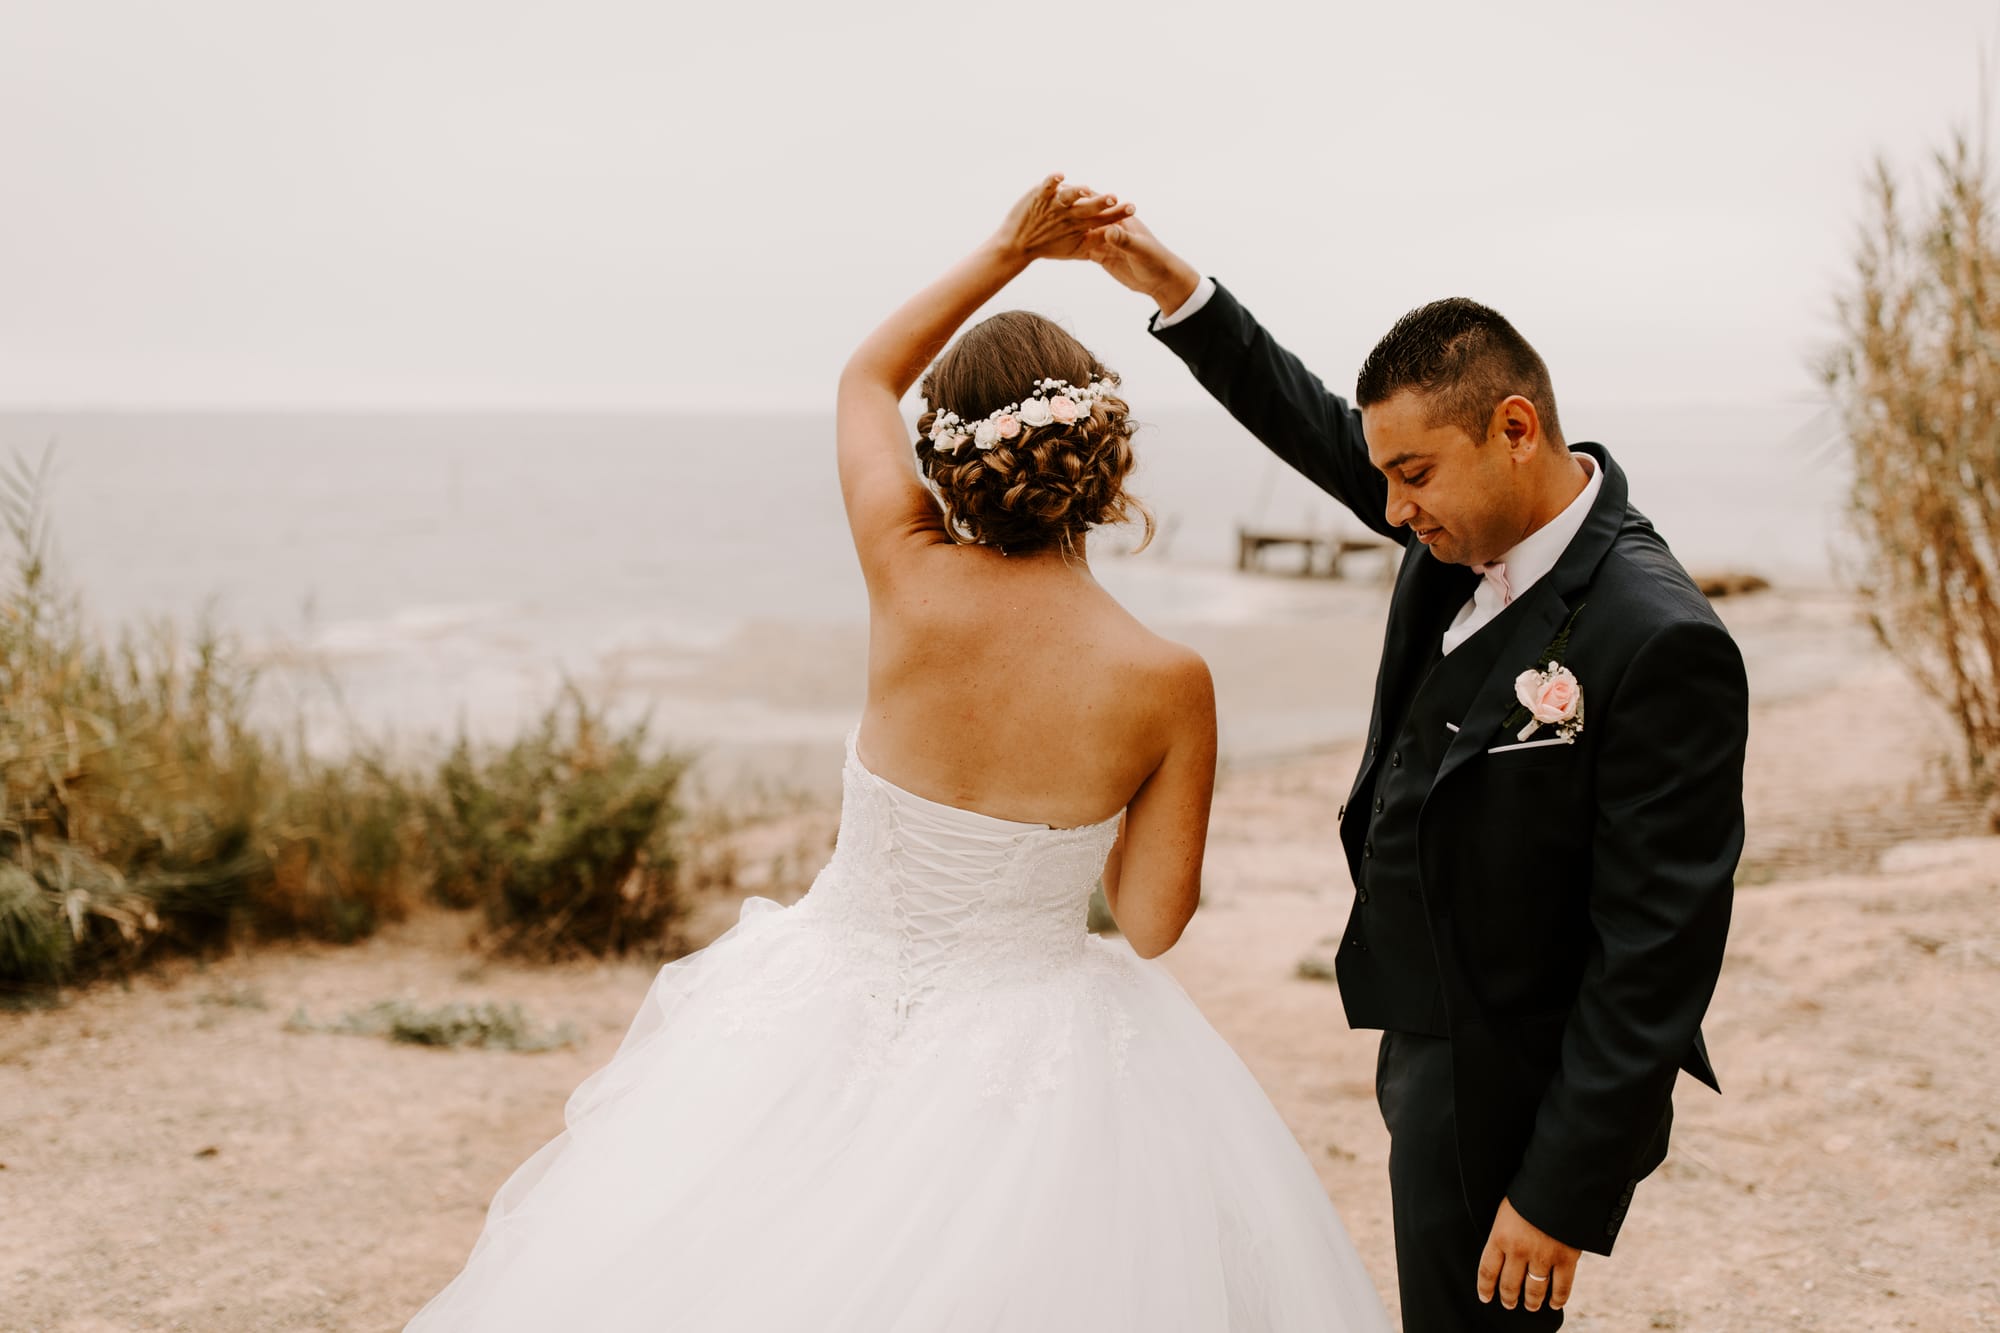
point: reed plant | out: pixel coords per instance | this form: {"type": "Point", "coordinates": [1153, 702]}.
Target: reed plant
{"type": "Point", "coordinates": [1916, 376]}
{"type": "Point", "coordinates": [141, 809]}
{"type": "Point", "coordinates": [142, 806]}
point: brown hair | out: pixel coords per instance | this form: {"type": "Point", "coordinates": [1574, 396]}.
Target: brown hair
{"type": "Point", "coordinates": [1048, 485]}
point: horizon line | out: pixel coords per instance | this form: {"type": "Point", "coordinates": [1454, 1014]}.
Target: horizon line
{"type": "Point", "coordinates": [1790, 398]}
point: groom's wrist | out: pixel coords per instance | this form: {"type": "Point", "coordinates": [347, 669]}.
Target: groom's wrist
{"type": "Point", "coordinates": [1173, 312]}
{"type": "Point", "coordinates": [1175, 288]}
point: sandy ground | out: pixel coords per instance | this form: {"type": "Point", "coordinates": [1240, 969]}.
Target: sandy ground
{"type": "Point", "coordinates": [172, 1157]}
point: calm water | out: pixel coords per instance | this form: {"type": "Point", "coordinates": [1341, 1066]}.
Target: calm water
{"type": "Point", "coordinates": [450, 568]}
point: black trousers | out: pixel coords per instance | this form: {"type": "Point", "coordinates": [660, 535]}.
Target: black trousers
{"type": "Point", "coordinates": [1438, 1241]}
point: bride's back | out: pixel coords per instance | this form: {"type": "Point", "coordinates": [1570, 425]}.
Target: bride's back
{"type": "Point", "coordinates": [1001, 678]}
{"type": "Point", "coordinates": [1017, 687]}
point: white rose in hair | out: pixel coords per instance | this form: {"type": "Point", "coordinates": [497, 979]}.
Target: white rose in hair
{"type": "Point", "coordinates": [1036, 412]}
{"type": "Point", "coordinates": [985, 434]}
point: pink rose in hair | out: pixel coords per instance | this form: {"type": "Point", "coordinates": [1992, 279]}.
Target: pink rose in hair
{"type": "Point", "coordinates": [1063, 408]}
{"type": "Point", "coordinates": [1006, 425]}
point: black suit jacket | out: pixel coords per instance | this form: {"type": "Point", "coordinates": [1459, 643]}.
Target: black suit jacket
{"type": "Point", "coordinates": [1577, 896]}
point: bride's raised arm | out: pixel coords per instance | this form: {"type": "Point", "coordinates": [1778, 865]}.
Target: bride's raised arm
{"type": "Point", "coordinates": [887, 505]}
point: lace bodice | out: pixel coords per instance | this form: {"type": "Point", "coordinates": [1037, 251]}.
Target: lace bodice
{"type": "Point", "coordinates": [951, 900]}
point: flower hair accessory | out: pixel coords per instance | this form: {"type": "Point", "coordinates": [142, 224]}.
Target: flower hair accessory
{"type": "Point", "coordinates": [1055, 401]}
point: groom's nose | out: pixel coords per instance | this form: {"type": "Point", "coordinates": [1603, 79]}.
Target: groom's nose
{"type": "Point", "coordinates": [1399, 509]}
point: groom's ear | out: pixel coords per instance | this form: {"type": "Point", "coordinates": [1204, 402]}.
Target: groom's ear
{"type": "Point", "coordinates": [1516, 422]}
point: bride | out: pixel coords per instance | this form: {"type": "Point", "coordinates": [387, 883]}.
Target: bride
{"type": "Point", "coordinates": [925, 1099]}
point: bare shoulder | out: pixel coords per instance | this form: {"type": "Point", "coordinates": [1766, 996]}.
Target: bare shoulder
{"type": "Point", "coordinates": [1177, 680]}
{"type": "Point", "coordinates": [1180, 668]}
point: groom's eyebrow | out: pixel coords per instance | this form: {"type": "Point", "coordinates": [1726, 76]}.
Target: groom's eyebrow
{"type": "Point", "coordinates": [1403, 458]}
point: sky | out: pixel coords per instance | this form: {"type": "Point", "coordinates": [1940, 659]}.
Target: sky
{"type": "Point", "coordinates": [589, 205]}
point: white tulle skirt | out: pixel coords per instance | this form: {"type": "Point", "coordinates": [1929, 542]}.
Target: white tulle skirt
{"type": "Point", "coordinates": [778, 1148]}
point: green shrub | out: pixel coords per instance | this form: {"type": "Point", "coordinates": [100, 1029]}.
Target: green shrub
{"type": "Point", "coordinates": [482, 1026]}
{"type": "Point", "coordinates": [141, 809]}
{"type": "Point", "coordinates": [565, 837]}
{"type": "Point", "coordinates": [34, 944]}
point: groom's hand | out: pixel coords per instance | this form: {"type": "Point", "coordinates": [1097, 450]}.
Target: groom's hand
{"type": "Point", "coordinates": [1129, 252]}
{"type": "Point", "coordinates": [1055, 220]}
{"type": "Point", "coordinates": [1525, 1264]}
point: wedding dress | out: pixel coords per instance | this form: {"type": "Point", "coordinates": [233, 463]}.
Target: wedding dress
{"type": "Point", "coordinates": [923, 1099]}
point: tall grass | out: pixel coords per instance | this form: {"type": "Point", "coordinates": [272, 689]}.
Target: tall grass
{"type": "Point", "coordinates": [1917, 378]}
{"type": "Point", "coordinates": [566, 837]}
{"type": "Point", "coordinates": [141, 808]}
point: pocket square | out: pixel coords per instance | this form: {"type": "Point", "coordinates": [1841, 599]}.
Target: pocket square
{"type": "Point", "coordinates": [1530, 745]}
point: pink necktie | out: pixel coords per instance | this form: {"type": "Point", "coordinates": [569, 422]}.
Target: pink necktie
{"type": "Point", "coordinates": [1496, 576]}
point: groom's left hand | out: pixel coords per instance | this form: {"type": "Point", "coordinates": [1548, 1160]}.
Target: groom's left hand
{"type": "Point", "coordinates": [1517, 1253]}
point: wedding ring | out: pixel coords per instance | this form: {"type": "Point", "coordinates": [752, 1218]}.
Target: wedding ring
{"type": "Point", "coordinates": [1538, 1277]}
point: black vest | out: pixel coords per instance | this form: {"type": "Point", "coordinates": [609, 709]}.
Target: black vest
{"type": "Point", "coordinates": [1387, 966]}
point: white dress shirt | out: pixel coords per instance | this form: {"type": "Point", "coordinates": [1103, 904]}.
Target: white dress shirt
{"type": "Point", "coordinates": [1531, 558]}
{"type": "Point", "coordinates": [1202, 291]}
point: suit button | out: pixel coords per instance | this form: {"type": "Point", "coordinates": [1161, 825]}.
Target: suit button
{"type": "Point", "coordinates": [1368, 848]}
{"type": "Point", "coordinates": [1362, 894]}
{"type": "Point", "coordinates": [1378, 805]}
{"type": "Point", "coordinates": [1396, 759]}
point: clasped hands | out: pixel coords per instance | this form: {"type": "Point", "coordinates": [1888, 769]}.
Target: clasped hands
{"type": "Point", "coordinates": [1057, 220]}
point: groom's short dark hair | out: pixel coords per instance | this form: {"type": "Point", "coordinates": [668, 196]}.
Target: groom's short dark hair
{"type": "Point", "coordinates": [1465, 359]}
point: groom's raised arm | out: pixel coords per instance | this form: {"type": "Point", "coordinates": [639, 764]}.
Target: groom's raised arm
{"type": "Point", "coordinates": [1267, 389]}
{"type": "Point", "coordinates": [1287, 407]}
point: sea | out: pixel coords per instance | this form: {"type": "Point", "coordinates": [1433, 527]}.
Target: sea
{"type": "Point", "coordinates": [409, 577]}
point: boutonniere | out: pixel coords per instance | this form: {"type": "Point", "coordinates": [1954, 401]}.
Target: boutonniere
{"type": "Point", "coordinates": [1550, 694]}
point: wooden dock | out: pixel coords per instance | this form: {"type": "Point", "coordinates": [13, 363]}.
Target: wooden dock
{"type": "Point", "coordinates": [1322, 553]}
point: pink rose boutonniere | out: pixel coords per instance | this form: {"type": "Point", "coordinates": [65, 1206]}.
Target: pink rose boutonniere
{"type": "Point", "coordinates": [1549, 695]}
{"type": "Point", "coordinates": [1553, 697]}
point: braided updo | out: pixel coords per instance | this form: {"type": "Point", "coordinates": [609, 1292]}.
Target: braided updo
{"type": "Point", "coordinates": [1048, 485]}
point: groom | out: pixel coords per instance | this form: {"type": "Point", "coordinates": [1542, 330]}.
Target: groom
{"type": "Point", "coordinates": [1546, 825]}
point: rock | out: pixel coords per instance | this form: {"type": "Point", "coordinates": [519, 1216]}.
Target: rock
{"type": "Point", "coordinates": [1726, 583]}
{"type": "Point", "coordinates": [1313, 968]}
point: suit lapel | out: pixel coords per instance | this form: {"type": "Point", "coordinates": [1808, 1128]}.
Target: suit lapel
{"type": "Point", "coordinates": [1533, 620]}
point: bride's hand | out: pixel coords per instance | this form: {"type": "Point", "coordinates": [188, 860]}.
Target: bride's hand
{"type": "Point", "coordinates": [1057, 221]}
